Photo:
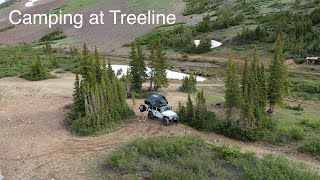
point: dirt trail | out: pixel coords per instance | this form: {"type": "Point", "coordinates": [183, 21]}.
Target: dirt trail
{"type": "Point", "coordinates": [35, 144]}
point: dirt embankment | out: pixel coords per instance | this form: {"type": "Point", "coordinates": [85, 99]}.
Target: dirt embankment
{"type": "Point", "coordinates": [35, 144]}
{"type": "Point", "coordinates": [26, 33]}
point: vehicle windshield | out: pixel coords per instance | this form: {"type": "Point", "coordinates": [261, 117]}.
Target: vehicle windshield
{"type": "Point", "coordinates": [166, 108]}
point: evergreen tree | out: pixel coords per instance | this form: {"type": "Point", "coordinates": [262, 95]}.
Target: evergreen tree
{"type": "Point", "coordinates": [247, 102]}
{"type": "Point", "coordinates": [254, 89]}
{"type": "Point", "coordinates": [97, 103]}
{"type": "Point", "coordinates": [233, 91]}
{"type": "Point", "coordinates": [97, 65]}
{"type": "Point", "coordinates": [278, 80]}
{"type": "Point", "coordinates": [253, 93]}
{"type": "Point", "coordinates": [263, 90]}
{"type": "Point", "coordinates": [48, 49]}
{"type": "Point", "coordinates": [159, 65]}
{"type": "Point", "coordinates": [200, 111]}
{"type": "Point", "coordinates": [189, 110]}
{"type": "Point", "coordinates": [37, 71]}
{"type": "Point", "coordinates": [189, 84]}
{"type": "Point", "coordinates": [137, 66]}
{"type": "Point", "coordinates": [16, 59]}
{"type": "Point", "coordinates": [153, 64]}
{"type": "Point", "coordinates": [54, 62]}
{"type": "Point", "coordinates": [78, 101]}
{"type": "Point", "coordinates": [86, 64]}
{"type": "Point", "coordinates": [245, 78]}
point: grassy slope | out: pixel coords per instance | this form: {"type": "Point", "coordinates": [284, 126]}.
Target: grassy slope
{"type": "Point", "coordinates": [144, 5]}
{"type": "Point", "coordinates": [192, 158]}
{"type": "Point", "coordinates": [251, 21]}
{"type": "Point", "coordinates": [131, 6]}
{"type": "Point", "coordinates": [76, 5]}
{"type": "Point", "coordinates": [16, 60]}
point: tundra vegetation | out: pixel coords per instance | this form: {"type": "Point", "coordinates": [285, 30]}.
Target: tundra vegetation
{"type": "Point", "coordinates": [192, 158]}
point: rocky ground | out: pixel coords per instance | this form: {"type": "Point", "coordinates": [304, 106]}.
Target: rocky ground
{"type": "Point", "coordinates": [107, 37]}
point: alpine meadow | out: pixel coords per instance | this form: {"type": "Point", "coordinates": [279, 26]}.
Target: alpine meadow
{"type": "Point", "coordinates": [170, 89]}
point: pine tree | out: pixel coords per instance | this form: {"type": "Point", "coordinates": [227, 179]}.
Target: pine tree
{"type": "Point", "coordinates": [48, 49]}
{"type": "Point", "coordinates": [263, 90]}
{"type": "Point", "coordinates": [247, 103]}
{"type": "Point", "coordinates": [54, 62]}
{"type": "Point", "coordinates": [78, 101]}
{"type": "Point", "coordinates": [153, 64]}
{"type": "Point", "coordinates": [200, 111]}
{"type": "Point", "coordinates": [98, 103]}
{"type": "Point", "coordinates": [189, 84]}
{"type": "Point", "coordinates": [254, 89]}
{"type": "Point", "coordinates": [85, 51]}
{"type": "Point", "coordinates": [278, 80]}
{"type": "Point", "coordinates": [86, 64]}
{"type": "Point", "coordinates": [137, 66]}
{"type": "Point", "coordinates": [97, 65]}
{"type": "Point", "coordinates": [245, 78]}
{"type": "Point", "coordinates": [189, 110]}
{"type": "Point", "coordinates": [160, 66]}
{"type": "Point", "coordinates": [233, 92]}
{"type": "Point", "coordinates": [37, 71]}
{"type": "Point", "coordinates": [253, 93]}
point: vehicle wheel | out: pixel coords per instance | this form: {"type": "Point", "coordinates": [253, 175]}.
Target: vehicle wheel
{"type": "Point", "coordinates": [165, 121]}
{"type": "Point", "coordinates": [150, 115]}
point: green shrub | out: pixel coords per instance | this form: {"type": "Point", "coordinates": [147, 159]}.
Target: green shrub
{"type": "Point", "coordinates": [284, 133]}
{"type": "Point", "coordinates": [307, 86]}
{"type": "Point", "coordinates": [7, 3]}
{"type": "Point", "coordinates": [197, 6]}
{"type": "Point", "coordinates": [229, 152]}
{"type": "Point", "coordinates": [295, 108]}
{"type": "Point", "coordinates": [191, 158]}
{"type": "Point", "coordinates": [37, 71]}
{"type": "Point", "coordinates": [315, 16]}
{"type": "Point", "coordinates": [249, 36]}
{"type": "Point", "coordinates": [127, 157]}
{"type": "Point", "coordinates": [189, 84]}
{"type": "Point", "coordinates": [311, 122]}
{"type": "Point", "coordinates": [6, 28]}
{"type": "Point", "coordinates": [275, 167]}
{"type": "Point", "coordinates": [56, 34]}
{"type": "Point", "coordinates": [205, 25]}
{"type": "Point", "coordinates": [226, 20]}
{"type": "Point", "coordinates": [204, 46]}
{"type": "Point", "coordinates": [139, 95]}
{"type": "Point", "coordinates": [311, 147]}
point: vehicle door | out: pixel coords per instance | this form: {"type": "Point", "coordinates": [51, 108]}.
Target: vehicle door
{"type": "Point", "coordinates": [158, 113]}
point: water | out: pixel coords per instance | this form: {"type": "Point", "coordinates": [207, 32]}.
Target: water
{"type": "Point", "coordinates": [170, 74]}
{"type": "Point", "coordinates": [214, 43]}
{"type": "Point", "coordinates": [30, 3]}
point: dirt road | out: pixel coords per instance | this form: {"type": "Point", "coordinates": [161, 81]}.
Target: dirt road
{"type": "Point", "coordinates": [35, 144]}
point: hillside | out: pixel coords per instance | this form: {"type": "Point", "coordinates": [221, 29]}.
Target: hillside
{"type": "Point", "coordinates": [241, 24]}
{"type": "Point", "coordinates": [107, 36]}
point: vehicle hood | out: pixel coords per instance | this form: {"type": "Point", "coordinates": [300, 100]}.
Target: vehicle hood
{"type": "Point", "coordinates": [169, 113]}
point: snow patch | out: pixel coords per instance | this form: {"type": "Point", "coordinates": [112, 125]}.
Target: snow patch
{"type": "Point", "coordinates": [1, 176]}
{"type": "Point", "coordinates": [2, 1]}
{"type": "Point", "coordinates": [30, 3]}
{"type": "Point", "coordinates": [214, 43]}
{"type": "Point", "coordinates": [170, 74]}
